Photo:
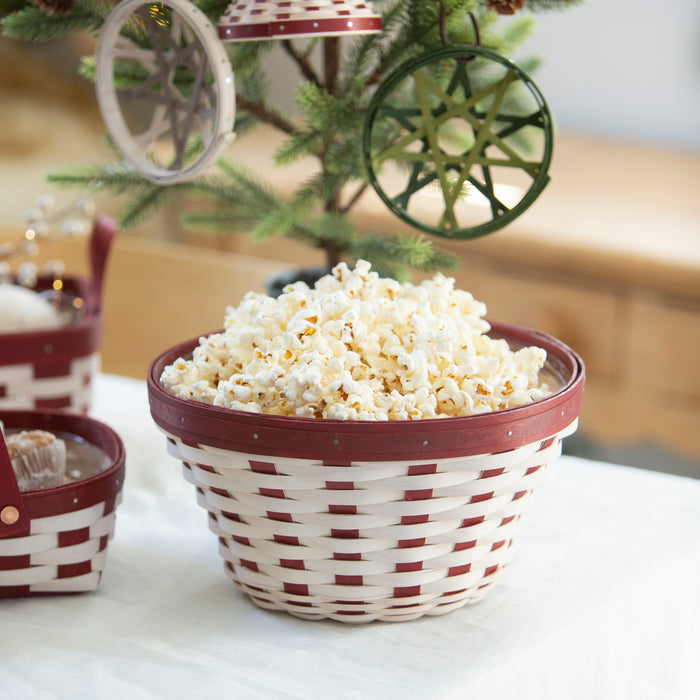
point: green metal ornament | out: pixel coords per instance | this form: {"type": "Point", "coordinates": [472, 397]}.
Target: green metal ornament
{"type": "Point", "coordinates": [458, 141]}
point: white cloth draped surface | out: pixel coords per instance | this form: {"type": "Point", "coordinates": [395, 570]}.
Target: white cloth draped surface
{"type": "Point", "coordinates": [602, 601]}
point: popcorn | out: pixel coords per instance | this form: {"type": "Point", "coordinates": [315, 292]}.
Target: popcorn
{"type": "Point", "coordinates": [359, 347]}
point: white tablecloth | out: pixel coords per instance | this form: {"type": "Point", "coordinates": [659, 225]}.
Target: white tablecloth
{"type": "Point", "coordinates": [601, 601]}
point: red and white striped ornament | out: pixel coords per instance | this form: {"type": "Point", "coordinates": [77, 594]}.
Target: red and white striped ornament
{"type": "Point", "coordinates": [286, 19]}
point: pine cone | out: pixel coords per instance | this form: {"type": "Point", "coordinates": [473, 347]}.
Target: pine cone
{"type": "Point", "coordinates": [505, 7]}
{"type": "Point", "coordinates": [55, 7]}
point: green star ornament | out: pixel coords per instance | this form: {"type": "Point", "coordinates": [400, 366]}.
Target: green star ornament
{"type": "Point", "coordinates": [457, 141]}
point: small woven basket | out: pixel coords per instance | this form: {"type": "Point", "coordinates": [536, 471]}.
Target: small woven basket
{"type": "Point", "coordinates": [359, 520]}
{"type": "Point", "coordinates": [286, 19]}
{"type": "Point", "coordinates": [54, 540]}
{"type": "Point", "coordinates": [53, 368]}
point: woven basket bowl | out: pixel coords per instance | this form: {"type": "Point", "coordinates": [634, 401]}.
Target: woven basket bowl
{"type": "Point", "coordinates": [280, 19]}
{"type": "Point", "coordinates": [53, 368]}
{"type": "Point", "coordinates": [358, 520]}
{"type": "Point", "coordinates": [54, 540]}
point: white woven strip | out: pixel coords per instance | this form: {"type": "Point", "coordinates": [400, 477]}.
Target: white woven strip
{"type": "Point", "coordinates": [65, 522]}
{"type": "Point", "coordinates": [23, 390]}
{"type": "Point", "coordinates": [74, 584]}
{"type": "Point", "coordinates": [67, 555]}
{"type": "Point", "coordinates": [19, 546]}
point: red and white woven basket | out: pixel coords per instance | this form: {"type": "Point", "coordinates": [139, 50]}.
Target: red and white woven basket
{"type": "Point", "coordinates": [54, 368]}
{"type": "Point", "coordinates": [54, 540]}
{"type": "Point", "coordinates": [360, 521]}
{"type": "Point", "coordinates": [250, 20]}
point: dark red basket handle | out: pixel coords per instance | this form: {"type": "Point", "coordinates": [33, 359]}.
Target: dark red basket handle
{"type": "Point", "coordinates": [101, 238]}
{"type": "Point", "coordinates": [14, 521]}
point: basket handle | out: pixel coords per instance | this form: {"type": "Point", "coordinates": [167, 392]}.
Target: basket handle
{"type": "Point", "coordinates": [103, 233]}
{"type": "Point", "coordinates": [14, 521]}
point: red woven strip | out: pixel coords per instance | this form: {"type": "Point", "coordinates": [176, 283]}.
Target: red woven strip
{"type": "Point", "coordinates": [519, 494]}
{"type": "Point", "coordinates": [14, 591]}
{"type": "Point", "coordinates": [110, 504]}
{"type": "Point", "coordinates": [218, 491]}
{"type": "Point", "coordinates": [406, 591]}
{"type": "Point", "coordinates": [57, 402]}
{"type": "Point", "coordinates": [347, 556]}
{"type": "Point", "coordinates": [262, 467]}
{"type": "Point", "coordinates": [418, 495]}
{"type": "Point", "coordinates": [505, 521]}
{"type": "Point", "coordinates": [416, 469]}
{"type": "Point", "coordinates": [350, 612]}
{"type": "Point", "coordinates": [532, 470]}
{"type": "Point", "coordinates": [70, 570]}
{"type": "Point", "coordinates": [44, 370]}
{"type": "Point", "coordinates": [237, 538]}
{"type": "Point", "coordinates": [104, 541]}
{"type": "Point", "coordinates": [404, 607]}
{"type": "Point", "coordinates": [459, 546]}
{"type": "Point", "coordinates": [70, 537]}
{"type": "Point", "coordinates": [343, 510]}
{"type": "Point", "coordinates": [487, 473]}
{"type": "Point", "coordinates": [458, 570]}
{"type": "Point", "coordinates": [287, 539]}
{"type": "Point", "coordinates": [293, 564]}
{"type": "Point", "coordinates": [468, 522]}
{"type": "Point", "coordinates": [282, 517]}
{"type": "Point", "coordinates": [345, 580]}
{"type": "Point", "coordinates": [249, 564]}
{"type": "Point", "coordinates": [407, 544]}
{"type": "Point", "coordinates": [229, 516]}
{"type": "Point", "coordinates": [296, 588]}
{"type": "Point", "coordinates": [402, 567]}
{"type": "Point", "coordinates": [340, 485]}
{"type": "Point", "coordinates": [414, 519]}
{"type": "Point", "coordinates": [490, 570]}
{"type": "Point", "coordinates": [271, 493]}
{"type": "Point", "coordinates": [497, 545]}
{"type": "Point", "coordinates": [3, 390]}
{"type": "Point", "coordinates": [18, 561]}
{"type": "Point", "coordinates": [479, 497]}
{"type": "Point", "coordinates": [345, 534]}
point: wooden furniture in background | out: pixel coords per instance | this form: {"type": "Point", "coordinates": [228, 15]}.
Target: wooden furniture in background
{"type": "Point", "coordinates": [157, 295]}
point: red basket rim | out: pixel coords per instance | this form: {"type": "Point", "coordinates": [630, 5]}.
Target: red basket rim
{"type": "Point", "coordinates": [42, 503]}
{"type": "Point", "coordinates": [341, 442]}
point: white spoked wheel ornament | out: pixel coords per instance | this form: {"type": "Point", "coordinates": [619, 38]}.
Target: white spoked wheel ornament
{"type": "Point", "coordinates": [165, 88]}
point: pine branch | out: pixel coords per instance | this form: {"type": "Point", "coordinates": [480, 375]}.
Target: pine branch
{"type": "Point", "coordinates": [32, 24]}
{"type": "Point", "coordinates": [302, 62]}
{"type": "Point", "coordinates": [265, 114]}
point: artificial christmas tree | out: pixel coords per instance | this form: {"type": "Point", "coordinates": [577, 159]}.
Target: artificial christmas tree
{"type": "Point", "coordinates": [338, 78]}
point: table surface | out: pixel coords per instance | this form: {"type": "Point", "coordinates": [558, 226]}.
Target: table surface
{"type": "Point", "coordinates": [601, 601]}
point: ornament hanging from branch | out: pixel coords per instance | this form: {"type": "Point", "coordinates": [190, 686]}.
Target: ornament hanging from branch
{"type": "Point", "coordinates": [458, 141]}
{"type": "Point", "coordinates": [282, 19]}
{"type": "Point", "coordinates": [165, 86]}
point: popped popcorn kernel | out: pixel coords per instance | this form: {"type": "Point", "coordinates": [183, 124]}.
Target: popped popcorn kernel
{"type": "Point", "coordinates": [359, 347]}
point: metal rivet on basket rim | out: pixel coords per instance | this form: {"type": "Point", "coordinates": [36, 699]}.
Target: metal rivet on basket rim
{"type": "Point", "coordinates": [9, 515]}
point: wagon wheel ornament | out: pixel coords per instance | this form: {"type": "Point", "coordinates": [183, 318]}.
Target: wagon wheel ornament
{"type": "Point", "coordinates": [457, 141]}
{"type": "Point", "coordinates": [165, 88]}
